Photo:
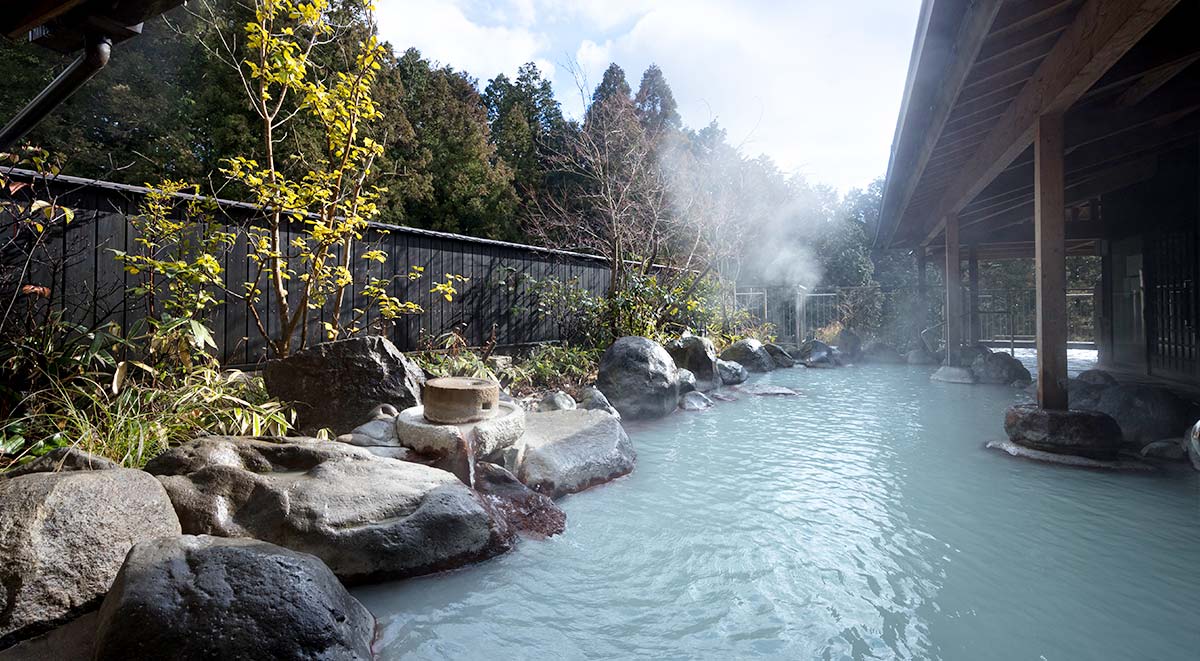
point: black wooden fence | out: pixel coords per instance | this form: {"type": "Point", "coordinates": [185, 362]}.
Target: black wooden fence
{"type": "Point", "coordinates": [92, 288]}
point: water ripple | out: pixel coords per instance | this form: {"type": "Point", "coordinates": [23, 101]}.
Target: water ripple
{"type": "Point", "coordinates": [860, 521]}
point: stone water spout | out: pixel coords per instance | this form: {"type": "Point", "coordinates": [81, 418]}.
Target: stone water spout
{"type": "Point", "coordinates": [461, 420]}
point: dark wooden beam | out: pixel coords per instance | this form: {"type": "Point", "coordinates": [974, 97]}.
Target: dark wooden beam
{"type": "Point", "coordinates": [1101, 33]}
{"type": "Point", "coordinates": [1018, 205]}
{"type": "Point", "coordinates": [1051, 268]}
{"type": "Point", "coordinates": [1154, 80]}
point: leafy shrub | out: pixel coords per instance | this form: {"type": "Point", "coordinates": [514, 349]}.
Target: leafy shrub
{"type": "Point", "coordinates": [551, 367]}
{"type": "Point", "coordinates": [132, 420]}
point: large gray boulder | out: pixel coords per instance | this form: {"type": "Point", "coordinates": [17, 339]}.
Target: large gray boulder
{"type": "Point", "coordinates": [780, 356]}
{"type": "Point", "coordinates": [639, 378]}
{"type": "Point", "coordinates": [921, 356]}
{"type": "Point", "coordinates": [1082, 395]}
{"type": "Point", "coordinates": [367, 517]}
{"type": "Point", "coordinates": [881, 353]}
{"type": "Point", "coordinates": [849, 343]}
{"type": "Point", "coordinates": [697, 355]}
{"type": "Point", "coordinates": [196, 598]}
{"type": "Point", "coordinates": [569, 451]}
{"type": "Point", "coordinates": [968, 354]}
{"type": "Point", "coordinates": [63, 537]}
{"type": "Point", "coordinates": [687, 382]}
{"type": "Point", "coordinates": [1097, 377]}
{"type": "Point", "coordinates": [1001, 369]}
{"type": "Point", "coordinates": [1145, 413]}
{"type": "Point", "coordinates": [815, 353]}
{"type": "Point", "coordinates": [1080, 433]}
{"type": "Point", "coordinates": [732, 372]}
{"type": "Point", "coordinates": [338, 385]}
{"type": "Point", "coordinates": [751, 354]}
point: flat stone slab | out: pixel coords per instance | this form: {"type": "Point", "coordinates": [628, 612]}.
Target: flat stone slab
{"type": "Point", "coordinates": [1023, 452]}
{"type": "Point", "coordinates": [767, 390]}
{"type": "Point", "coordinates": [569, 451]}
{"type": "Point", "coordinates": [952, 374]}
{"type": "Point", "coordinates": [695, 401]}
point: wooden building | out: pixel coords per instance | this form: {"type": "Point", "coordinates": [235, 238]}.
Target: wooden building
{"type": "Point", "coordinates": [1046, 128]}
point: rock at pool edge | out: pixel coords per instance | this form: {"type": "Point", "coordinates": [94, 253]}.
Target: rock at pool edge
{"type": "Point", "coordinates": [1081, 433]}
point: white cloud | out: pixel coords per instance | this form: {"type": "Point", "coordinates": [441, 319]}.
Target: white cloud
{"type": "Point", "coordinates": [816, 86]}
{"type": "Point", "coordinates": [443, 32]}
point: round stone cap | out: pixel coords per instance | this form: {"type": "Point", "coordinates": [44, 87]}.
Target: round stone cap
{"type": "Point", "coordinates": [455, 400]}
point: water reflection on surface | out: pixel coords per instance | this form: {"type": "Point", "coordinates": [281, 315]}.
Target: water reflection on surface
{"type": "Point", "coordinates": [862, 520]}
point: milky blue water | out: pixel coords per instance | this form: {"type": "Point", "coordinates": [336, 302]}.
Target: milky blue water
{"type": "Point", "coordinates": [864, 520]}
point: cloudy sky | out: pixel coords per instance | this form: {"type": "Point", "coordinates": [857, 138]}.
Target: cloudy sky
{"type": "Point", "coordinates": [814, 84]}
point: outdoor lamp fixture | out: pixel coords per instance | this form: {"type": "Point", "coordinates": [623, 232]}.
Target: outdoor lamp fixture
{"type": "Point", "coordinates": [67, 26]}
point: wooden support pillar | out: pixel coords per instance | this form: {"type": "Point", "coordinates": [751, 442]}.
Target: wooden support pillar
{"type": "Point", "coordinates": [922, 311]}
{"type": "Point", "coordinates": [954, 299]}
{"type": "Point", "coordinates": [973, 276]}
{"type": "Point", "coordinates": [1050, 250]}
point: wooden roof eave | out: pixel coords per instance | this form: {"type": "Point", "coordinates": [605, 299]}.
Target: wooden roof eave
{"type": "Point", "coordinates": [949, 48]}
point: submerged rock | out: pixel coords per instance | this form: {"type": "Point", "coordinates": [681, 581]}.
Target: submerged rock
{"type": "Point", "coordinates": [695, 401]}
{"type": "Point", "coordinates": [732, 372]}
{"type": "Point", "coordinates": [556, 401]}
{"type": "Point", "coordinates": [1081, 433]}
{"type": "Point", "coordinates": [338, 385]}
{"type": "Point", "coordinates": [525, 509]}
{"type": "Point", "coordinates": [191, 598]}
{"type": "Point", "coordinates": [1016, 450]}
{"type": "Point", "coordinates": [697, 355]}
{"type": "Point", "coordinates": [750, 354]}
{"type": "Point", "coordinates": [367, 517]}
{"type": "Point", "coordinates": [767, 390]}
{"type": "Point", "coordinates": [63, 537]}
{"type": "Point", "coordinates": [639, 378]}
{"type": "Point", "coordinates": [781, 357]}
{"type": "Point", "coordinates": [569, 451]}
{"type": "Point", "coordinates": [1001, 369]}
